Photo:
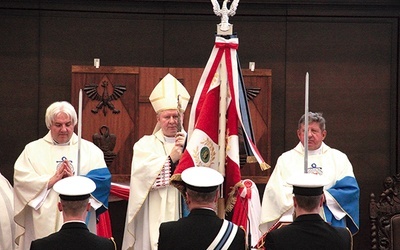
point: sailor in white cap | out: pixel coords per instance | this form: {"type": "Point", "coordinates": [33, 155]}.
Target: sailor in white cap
{"type": "Point", "coordinates": [308, 230]}
{"type": "Point", "coordinates": [74, 188]}
{"type": "Point", "coordinates": [308, 184]}
{"type": "Point", "coordinates": [155, 157]}
{"type": "Point", "coordinates": [202, 228]}
{"type": "Point", "coordinates": [74, 204]}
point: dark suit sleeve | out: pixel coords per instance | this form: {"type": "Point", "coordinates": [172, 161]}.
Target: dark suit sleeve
{"type": "Point", "coordinates": [34, 245]}
{"type": "Point", "coordinates": [269, 241]}
{"type": "Point", "coordinates": [347, 236]}
{"type": "Point", "coordinates": [114, 244]}
{"type": "Point", "coordinates": [162, 240]}
{"type": "Point", "coordinates": [240, 240]}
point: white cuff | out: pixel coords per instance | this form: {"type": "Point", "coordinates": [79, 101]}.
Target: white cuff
{"type": "Point", "coordinates": [334, 207]}
{"type": "Point", "coordinates": [38, 201]}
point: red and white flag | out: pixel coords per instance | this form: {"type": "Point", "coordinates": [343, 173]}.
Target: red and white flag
{"type": "Point", "coordinates": [203, 131]}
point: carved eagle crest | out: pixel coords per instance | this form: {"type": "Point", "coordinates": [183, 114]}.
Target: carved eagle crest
{"type": "Point", "coordinates": [105, 99]}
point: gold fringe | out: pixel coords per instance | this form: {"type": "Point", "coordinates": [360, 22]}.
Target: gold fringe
{"type": "Point", "coordinates": [174, 178]}
{"type": "Point", "coordinates": [264, 166]}
{"type": "Point", "coordinates": [231, 200]}
{"type": "Point", "coordinates": [176, 181]}
{"type": "Point", "coordinates": [251, 159]}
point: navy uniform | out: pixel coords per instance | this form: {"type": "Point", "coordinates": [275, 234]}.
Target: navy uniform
{"type": "Point", "coordinates": [308, 231]}
{"type": "Point", "coordinates": [74, 234]}
{"type": "Point", "coordinates": [202, 229]}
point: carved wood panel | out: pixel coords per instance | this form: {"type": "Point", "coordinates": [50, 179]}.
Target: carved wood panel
{"type": "Point", "coordinates": [384, 212]}
{"type": "Point", "coordinates": [123, 124]}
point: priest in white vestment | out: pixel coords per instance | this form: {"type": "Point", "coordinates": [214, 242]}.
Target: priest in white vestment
{"type": "Point", "coordinates": [342, 194]}
{"type": "Point", "coordinates": [152, 200]}
{"type": "Point", "coordinates": [43, 163]}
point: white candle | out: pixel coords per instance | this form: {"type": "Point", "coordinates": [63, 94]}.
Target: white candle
{"type": "Point", "coordinates": [252, 66]}
{"type": "Point", "coordinates": [97, 62]}
{"type": "Point", "coordinates": [306, 125]}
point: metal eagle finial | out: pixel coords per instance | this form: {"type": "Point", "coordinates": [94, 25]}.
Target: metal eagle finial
{"type": "Point", "coordinates": [224, 13]}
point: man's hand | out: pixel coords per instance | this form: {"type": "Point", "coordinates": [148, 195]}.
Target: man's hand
{"type": "Point", "coordinates": [63, 170]}
{"type": "Point", "coordinates": [177, 150]}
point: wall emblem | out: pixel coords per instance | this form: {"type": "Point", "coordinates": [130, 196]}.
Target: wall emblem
{"type": "Point", "coordinates": [105, 99]}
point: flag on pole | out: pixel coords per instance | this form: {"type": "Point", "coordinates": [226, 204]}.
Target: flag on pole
{"type": "Point", "coordinates": [203, 130]}
{"type": "Point", "coordinates": [202, 147]}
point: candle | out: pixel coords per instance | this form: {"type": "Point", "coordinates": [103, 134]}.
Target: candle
{"type": "Point", "coordinates": [252, 66]}
{"type": "Point", "coordinates": [97, 62]}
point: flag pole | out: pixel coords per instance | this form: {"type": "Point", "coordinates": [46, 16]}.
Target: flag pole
{"type": "Point", "coordinates": [306, 125]}
{"type": "Point", "coordinates": [222, 132]}
{"type": "Point", "coordinates": [223, 29]}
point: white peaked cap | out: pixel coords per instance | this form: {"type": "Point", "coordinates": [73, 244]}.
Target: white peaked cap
{"type": "Point", "coordinates": [307, 184]}
{"type": "Point", "coordinates": [202, 179]}
{"type": "Point", "coordinates": [74, 188]}
{"type": "Point", "coordinates": [165, 95]}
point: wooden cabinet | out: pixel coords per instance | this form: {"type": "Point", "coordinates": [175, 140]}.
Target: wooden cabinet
{"type": "Point", "coordinates": [136, 116]}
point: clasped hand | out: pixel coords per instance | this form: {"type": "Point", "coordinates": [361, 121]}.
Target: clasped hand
{"type": "Point", "coordinates": [177, 150]}
{"type": "Point", "coordinates": [63, 170]}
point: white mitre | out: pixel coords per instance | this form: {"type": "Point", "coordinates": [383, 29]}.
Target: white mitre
{"type": "Point", "coordinates": [165, 95]}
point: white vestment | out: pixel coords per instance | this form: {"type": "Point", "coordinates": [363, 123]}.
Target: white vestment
{"type": "Point", "coordinates": [147, 207]}
{"type": "Point", "coordinates": [278, 196]}
{"type": "Point", "coordinates": [35, 205]}
{"type": "Point", "coordinates": [7, 225]}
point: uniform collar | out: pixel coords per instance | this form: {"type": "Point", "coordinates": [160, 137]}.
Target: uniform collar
{"type": "Point", "coordinates": [309, 217]}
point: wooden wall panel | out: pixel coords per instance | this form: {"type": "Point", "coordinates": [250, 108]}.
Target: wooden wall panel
{"type": "Point", "coordinates": [123, 124]}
